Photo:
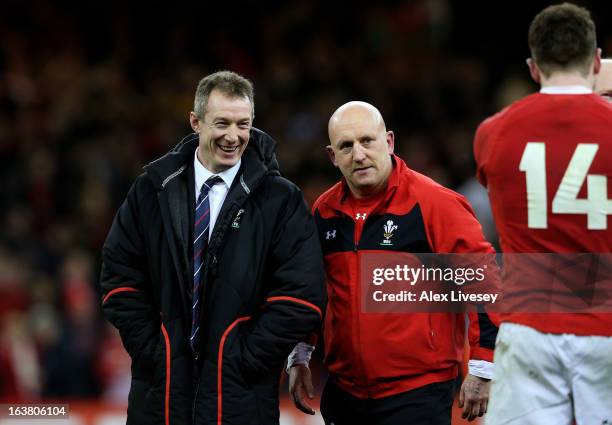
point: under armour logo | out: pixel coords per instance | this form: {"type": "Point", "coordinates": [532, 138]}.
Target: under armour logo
{"type": "Point", "coordinates": [360, 216]}
{"type": "Point", "coordinates": [331, 234]}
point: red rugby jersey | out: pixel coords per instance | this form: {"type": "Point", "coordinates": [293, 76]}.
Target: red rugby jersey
{"type": "Point", "coordinates": [546, 162]}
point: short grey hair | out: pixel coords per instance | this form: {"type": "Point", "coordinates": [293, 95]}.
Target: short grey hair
{"type": "Point", "coordinates": [227, 82]}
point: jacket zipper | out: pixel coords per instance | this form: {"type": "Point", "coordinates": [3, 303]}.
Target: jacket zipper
{"type": "Point", "coordinates": [210, 267]}
{"type": "Point", "coordinates": [196, 355]}
{"type": "Point", "coordinates": [207, 270]}
{"type": "Point", "coordinates": [358, 352]}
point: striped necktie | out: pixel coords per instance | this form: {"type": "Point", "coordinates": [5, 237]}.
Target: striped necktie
{"type": "Point", "coordinates": [200, 243]}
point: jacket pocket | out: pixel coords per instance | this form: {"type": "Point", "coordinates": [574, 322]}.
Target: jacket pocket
{"type": "Point", "coordinates": [158, 396]}
{"type": "Point", "coordinates": [236, 401]}
{"type": "Point", "coordinates": [140, 410]}
{"type": "Point", "coordinates": [147, 399]}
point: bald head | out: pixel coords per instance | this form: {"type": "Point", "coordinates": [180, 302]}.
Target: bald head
{"type": "Point", "coordinates": [360, 146]}
{"type": "Point", "coordinates": [603, 84]}
{"type": "Point", "coordinates": [354, 112]}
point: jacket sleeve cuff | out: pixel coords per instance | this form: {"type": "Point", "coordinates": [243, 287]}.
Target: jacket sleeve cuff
{"type": "Point", "coordinates": [481, 368]}
{"type": "Point", "coordinates": [479, 353]}
{"type": "Point", "coordinates": [300, 355]}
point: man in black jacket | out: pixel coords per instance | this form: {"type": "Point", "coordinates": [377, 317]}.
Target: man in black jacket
{"type": "Point", "coordinates": [212, 270]}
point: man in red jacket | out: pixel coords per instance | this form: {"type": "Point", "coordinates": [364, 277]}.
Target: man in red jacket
{"type": "Point", "coordinates": [546, 161]}
{"type": "Point", "coordinates": [391, 368]}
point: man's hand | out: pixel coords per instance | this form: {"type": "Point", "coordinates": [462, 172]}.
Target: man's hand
{"type": "Point", "coordinates": [300, 387]}
{"type": "Point", "coordinates": [474, 397]}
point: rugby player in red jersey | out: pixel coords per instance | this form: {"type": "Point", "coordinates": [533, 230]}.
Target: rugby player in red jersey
{"type": "Point", "coordinates": [546, 161]}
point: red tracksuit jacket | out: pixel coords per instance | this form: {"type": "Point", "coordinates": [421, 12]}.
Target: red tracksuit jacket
{"type": "Point", "coordinates": [374, 355]}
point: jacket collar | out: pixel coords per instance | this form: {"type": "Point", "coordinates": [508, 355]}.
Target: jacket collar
{"type": "Point", "coordinates": [337, 196]}
{"type": "Point", "coordinates": [259, 159]}
{"type": "Point", "coordinates": [202, 174]}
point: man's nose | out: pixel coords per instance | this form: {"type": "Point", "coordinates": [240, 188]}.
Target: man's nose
{"type": "Point", "coordinates": [358, 152]}
{"type": "Point", "coordinates": [232, 134]}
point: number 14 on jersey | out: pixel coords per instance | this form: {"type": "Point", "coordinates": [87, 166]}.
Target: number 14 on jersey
{"type": "Point", "coordinates": [596, 206]}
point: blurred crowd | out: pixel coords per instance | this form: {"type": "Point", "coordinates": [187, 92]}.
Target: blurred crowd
{"type": "Point", "coordinates": [90, 93]}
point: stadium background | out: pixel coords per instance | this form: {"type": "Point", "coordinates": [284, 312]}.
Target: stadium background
{"type": "Point", "coordinates": [92, 91]}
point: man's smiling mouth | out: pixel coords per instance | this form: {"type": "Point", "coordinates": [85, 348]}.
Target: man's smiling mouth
{"type": "Point", "coordinates": [228, 149]}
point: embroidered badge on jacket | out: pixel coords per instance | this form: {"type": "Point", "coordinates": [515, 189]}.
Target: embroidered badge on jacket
{"type": "Point", "coordinates": [389, 228]}
{"type": "Point", "coordinates": [236, 222]}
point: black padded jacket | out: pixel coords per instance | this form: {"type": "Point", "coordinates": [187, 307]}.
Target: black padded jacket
{"type": "Point", "coordinates": [263, 290]}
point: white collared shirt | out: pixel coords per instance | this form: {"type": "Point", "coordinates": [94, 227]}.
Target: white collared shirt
{"type": "Point", "coordinates": [218, 192]}
{"type": "Point", "coordinates": [566, 90]}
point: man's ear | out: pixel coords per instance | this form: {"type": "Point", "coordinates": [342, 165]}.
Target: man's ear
{"type": "Point", "coordinates": [194, 122]}
{"type": "Point", "coordinates": [331, 154]}
{"type": "Point", "coordinates": [390, 141]}
{"type": "Point", "coordinates": [534, 71]}
{"type": "Point", "coordinates": [597, 61]}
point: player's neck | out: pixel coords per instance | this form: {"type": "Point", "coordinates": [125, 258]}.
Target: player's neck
{"type": "Point", "coordinates": [573, 79]}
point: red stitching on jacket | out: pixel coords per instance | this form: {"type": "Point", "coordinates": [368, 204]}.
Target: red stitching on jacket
{"type": "Point", "coordinates": [296, 300]}
{"type": "Point", "coordinates": [220, 368]}
{"type": "Point", "coordinates": [116, 290]}
{"type": "Point", "coordinates": [167, 398]}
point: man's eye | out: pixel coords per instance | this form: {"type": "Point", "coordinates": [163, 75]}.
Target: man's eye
{"type": "Point", "coordinates": [220, 125]}
{"type": "Point", "coordinates": [345, 148]}
{"type": "Point", "coordinates": [244, 126]}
